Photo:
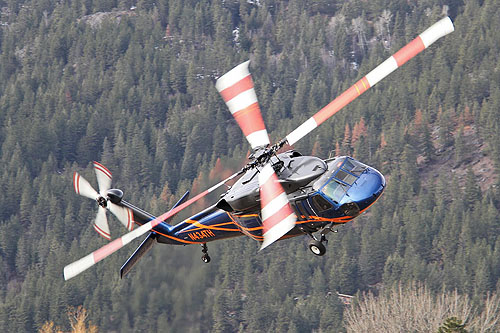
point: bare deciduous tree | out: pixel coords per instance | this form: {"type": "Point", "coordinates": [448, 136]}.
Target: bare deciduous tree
{"type": "Point", "coordinates": [359, 37]}
{"type": "Point", "coordinates": [382, 28]}
{"type": "Point", "coordinates": [416, 309]}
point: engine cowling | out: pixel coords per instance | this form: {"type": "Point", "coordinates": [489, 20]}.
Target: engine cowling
{"type": "Point", "coordinates": [293, 170]}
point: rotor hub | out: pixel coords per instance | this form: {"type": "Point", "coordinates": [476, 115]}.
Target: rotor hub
{"type": "Point", "coordinates": [102, 201]}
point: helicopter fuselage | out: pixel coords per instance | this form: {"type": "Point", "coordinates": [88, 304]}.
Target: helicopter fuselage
{"type": "Point", "coordinates": [323, 193]}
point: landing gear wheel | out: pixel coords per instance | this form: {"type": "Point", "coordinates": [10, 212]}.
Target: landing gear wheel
{"type": "Point", "coordinates": [206, 258]}
{"type": "Point", "coordinates": [317, 247]}
{"type": "Point", "coordinates": [204, 249]}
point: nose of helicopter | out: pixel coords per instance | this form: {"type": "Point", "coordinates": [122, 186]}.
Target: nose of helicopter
{"type": "Point", "coordinates": [367, 189]}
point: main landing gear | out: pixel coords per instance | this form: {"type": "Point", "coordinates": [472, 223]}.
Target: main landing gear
{"type": "Point", "coordinates": [204, 249]}
{"type": "Point", "coordinates": [317, 246]}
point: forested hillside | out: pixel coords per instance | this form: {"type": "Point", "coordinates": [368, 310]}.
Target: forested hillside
{"type": "Point", "coordinates": [131, 85]}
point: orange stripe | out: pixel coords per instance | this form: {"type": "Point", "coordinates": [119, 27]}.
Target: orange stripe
{"type": "Point", "coordinates": [202, 226]}
{"type": "Point", "coordinates": [250, 119]}
{"type": "Point", "coordinates": [340, 220]}
{"type": "Point", "coordinates": [255, 237]}
{"type": "Point", "coordinates": [179, 239]}
{"type": "Point", "coordinates": [251, 229]}
{"type": "Point", "coordinates": [242, 85]}
{"type": "Point", "coordinates": [239, 227]}
{"type": "Point", "coordinates": [409, 51]}
{"type": "Point", "coordinates": [212, 227]}
{"type": "Point", "coordinates": [244, 229]}
{"type": "Point", "coordinates": [314, 219]}
{"type": "Point", "coordinates": [248, 215]}
{"type": "Point", "coordinates": [206, 227]}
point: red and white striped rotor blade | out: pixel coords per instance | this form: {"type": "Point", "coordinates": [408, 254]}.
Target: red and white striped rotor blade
{"type": "Point", "coordinates": [278, 217]}
{"type": "Point", "coordinates": [104, 178]}
{"type": "Point", "coordinates": [101, 223]}
{"type": "Point", "coordinates": [83, 187]}
{"type": "Point", "coordinates": [237, 89]}
{"type": "Point", "coordinates": [424, 40]}
{"type": "Point", "coordinates": [123, 214]}
{"type": "Point", "coordinates": [91, 259]}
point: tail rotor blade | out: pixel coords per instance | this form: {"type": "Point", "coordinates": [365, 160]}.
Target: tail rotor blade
{"type": "Point", "coordinates": [237, 89]}
{"type": "Point", "coordinates": [278, 217]}
{"type": "Point", "coordinates": [101, 223]}
{"type": "Point", "coordinates": [123, 214]}
{"type": "Point", "coordinates": [83, 187]}
{"type": "Point", "coordinates": [424, 40]}
{"type": "Point", "coordinates": [103, 178]}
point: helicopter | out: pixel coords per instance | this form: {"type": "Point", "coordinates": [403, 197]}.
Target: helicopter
{"type": "Point", "coordinates": [278, 195]}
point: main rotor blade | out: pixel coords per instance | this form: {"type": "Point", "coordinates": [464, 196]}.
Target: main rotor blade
{"type": "Point", "coordinates": [278, 217]}
{"type": "Point", "coordinates": [91, 259]}
{"type": "Point", "coordinates": [103, 178]}
{"type": "Point", "coordinates": [237, 90]}
{"type": "Point", "coordinates": [83, 187]}
{"type": "Point", "coordinates": [424, 40]}
{"type": "Point", "coordinates": [101, 223]}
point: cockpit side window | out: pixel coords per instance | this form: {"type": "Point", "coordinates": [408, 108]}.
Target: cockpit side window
{"type": "Point", "coordinates": [320, 203]}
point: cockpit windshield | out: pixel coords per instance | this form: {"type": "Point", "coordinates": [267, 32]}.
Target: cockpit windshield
{"type": "Point", "coordinates": [334, 190]}
{"type": "Point", "coordinates": [343, 173]}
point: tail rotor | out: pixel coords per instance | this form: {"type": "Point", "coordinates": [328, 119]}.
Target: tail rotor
{"type": "Point", "coordinates": [104, 178]}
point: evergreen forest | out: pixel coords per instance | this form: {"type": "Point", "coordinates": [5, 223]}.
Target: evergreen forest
{"type": "Point", "coordinates": [130, 83]}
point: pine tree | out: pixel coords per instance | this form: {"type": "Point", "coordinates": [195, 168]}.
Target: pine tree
{"type": "Point", "coordinates": [452, 324]}
{"type": "Point", "coordinates": [472, 192]}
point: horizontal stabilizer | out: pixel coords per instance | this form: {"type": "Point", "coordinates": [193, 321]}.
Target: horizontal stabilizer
{"type": "Point", "coordinates": [144, 248]}
{"type": "Point", "coordinates": [148, 243]}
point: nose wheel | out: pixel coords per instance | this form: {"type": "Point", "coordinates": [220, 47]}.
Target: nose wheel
{"type": "Point", "coordinates": [204, 249]}
{"type": "Point", "coordinates": [317, 246]}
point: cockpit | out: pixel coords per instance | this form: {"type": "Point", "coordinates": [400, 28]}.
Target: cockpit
{"type": "Point", "coordinates": [343, 172]}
